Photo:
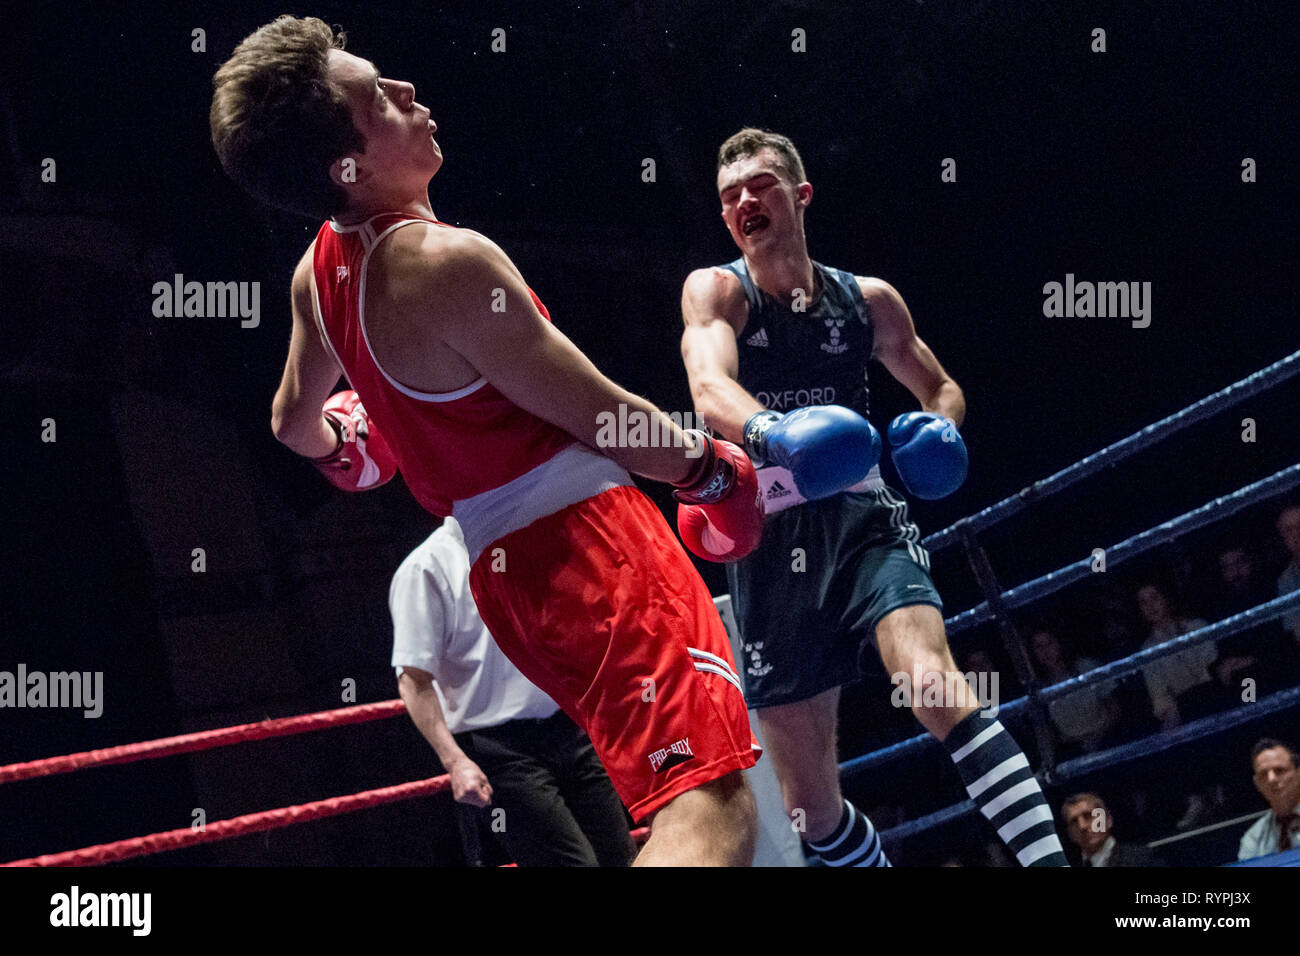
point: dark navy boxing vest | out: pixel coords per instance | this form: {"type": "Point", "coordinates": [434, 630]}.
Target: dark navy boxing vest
{"type": "Point", "coordinates": [791, 359]}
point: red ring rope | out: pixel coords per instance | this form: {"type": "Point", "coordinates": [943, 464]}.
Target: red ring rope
{"type": "Point", "coordinates": [102, 853]}
{"type": "Point", "coordinates": [201, 740]}
{"type": "Point", "coordinates": [236, 826]}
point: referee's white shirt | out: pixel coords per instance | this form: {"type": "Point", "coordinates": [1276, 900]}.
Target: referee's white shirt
{"type": "Point", "coordinates": [436, 627]}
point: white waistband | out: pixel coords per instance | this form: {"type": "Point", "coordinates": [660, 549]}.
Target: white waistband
{"type": "Point", "coordinates": [572, 475]}
{"type": "Point", "coordinates": [779, 491]}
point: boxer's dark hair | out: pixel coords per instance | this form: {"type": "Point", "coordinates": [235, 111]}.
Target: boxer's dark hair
{"type": "Point", "coordinates": [277, 121]}
{"type": "Point", "coordinates": [750, 141]}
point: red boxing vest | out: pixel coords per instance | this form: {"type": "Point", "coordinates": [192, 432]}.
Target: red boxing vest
{"type": "Point", "coordinates": [449, 445]}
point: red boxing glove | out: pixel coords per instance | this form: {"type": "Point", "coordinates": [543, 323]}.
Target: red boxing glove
{"type": "Point", "coordinates": [363, 459]}
{"type": "Point", "coordinates": [720, 515]}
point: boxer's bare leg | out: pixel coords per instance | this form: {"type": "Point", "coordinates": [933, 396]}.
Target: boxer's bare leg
{"type": "Point", "coordinates": [713, 825]}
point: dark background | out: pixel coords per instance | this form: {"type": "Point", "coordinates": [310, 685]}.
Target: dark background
{"type": "Point", "coordinates": [1122, 166]}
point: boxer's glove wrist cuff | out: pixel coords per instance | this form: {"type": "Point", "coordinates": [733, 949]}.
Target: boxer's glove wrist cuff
{"type": "Point", "coordinates": [334, 456]}
{"type": "Point", "coordinates": [756, 429]}
{"type": "Point", "coordinates": [710, 480]}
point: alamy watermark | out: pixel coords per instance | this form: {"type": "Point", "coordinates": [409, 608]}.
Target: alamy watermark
{"type": "Point", "coordinates": [633, 428]}
{"type": "Point", "coordinates": [1101, 300]}
{"type": "Point", "coordinates": [208, 300]}
{"type": "Point", "coordinates": [948, 690]}
{"type": "Point", "coordinates": [56, 689]}
{"type": "Point", "coordinates": [133, 911]}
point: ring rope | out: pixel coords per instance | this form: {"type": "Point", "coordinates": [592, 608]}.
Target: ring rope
{"type": "Point", "coordinates": [1117, 668]}
{"type": "Point", "coordinates": [1222, 507]}
{"type": "Point", "coordinates": [236, 826]}
{"type": "Point", "coordinates": [1024, 594]}
{"type": "Point", "coordinates": [1080, 766]}
{"type": "Point", "coordinates": [1229, 626]}
{"type": "Point", "coordinates": [201, 740]}
{"type": "Point", "coordinates": [166, 841]}
{"type": "Point", "coordinates": [1034, 590]}
{"type": "Point", "coordinates": [1207, 407]}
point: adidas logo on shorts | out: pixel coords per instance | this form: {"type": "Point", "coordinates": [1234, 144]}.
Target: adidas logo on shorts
{"type": "Point", "coordinates": [677, 752]}
{"type": "Point", "coordinates": [758, 339]}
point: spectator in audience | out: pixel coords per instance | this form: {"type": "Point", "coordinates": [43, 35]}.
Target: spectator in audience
{"type": "Point", "coordinates": [1176, 673]}
{"type": "Point", "coordinates": [1288, 528]}
{"type": "Point", "coordinates": [977, 661]}
{"type": "Point", "coordinates": [1254, 662]}
{"type": "Point", "coordinates": [1089, 825]}
{"type": "Point", "coordinates": [1179, 685]}
{"type": "Point", "coordinates": [1116, 628]}
{"type": "Point", "coordinates": [1086, 718]}
{"type": "Point", "coordinates": [1242, 583]}
{"type": "Point", "coordinates": [999, 682]}
{"type": "Point", "coordinates": [1277, 778]}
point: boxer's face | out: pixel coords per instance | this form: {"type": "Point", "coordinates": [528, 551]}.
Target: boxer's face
{"type": "Point", "coordinates": [400, 148]}
{"type": "Point", "coordinates": [1277, 779]}
{"type": "Point", "coordinates": [762, 205]}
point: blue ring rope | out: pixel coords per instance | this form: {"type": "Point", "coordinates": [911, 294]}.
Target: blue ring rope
{"type": "Point", "coordinates": [1116, 668]}
{"type": "Point", "coordinates": [1047, 584]}
{"type": "Point", "coordinates": [1211, 405]}
{"type": "Point", "coordinates": [1053, 581]}
{"type": "Point", "coordinates": [1121, 754]}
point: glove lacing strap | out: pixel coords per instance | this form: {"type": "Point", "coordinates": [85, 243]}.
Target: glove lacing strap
{"type": "Point", "coordinates": [756, 429]}
{"type": "Point", "coordinates": [718, 475]}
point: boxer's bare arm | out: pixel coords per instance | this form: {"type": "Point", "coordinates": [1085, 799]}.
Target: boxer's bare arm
{"type": "Point", "coordinates": [455, 289]}
{"type": "Point", "coordinates": [310, 374]}
{"type": "Point", "coordinates": [905, 356]}
{"type": "Point", "coordinates": [714, 312]}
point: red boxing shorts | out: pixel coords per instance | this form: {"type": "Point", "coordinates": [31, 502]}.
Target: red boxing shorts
{"type": "Point", "coordinates": [598, 606]}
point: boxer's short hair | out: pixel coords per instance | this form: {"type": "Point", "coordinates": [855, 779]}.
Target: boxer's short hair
{"type": "Point", "coordinates": [277, 121]}
{"type": "Point", "coordinates": [750, 141]}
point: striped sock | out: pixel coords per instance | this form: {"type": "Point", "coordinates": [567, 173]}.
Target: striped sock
{"type": "Point", "coordinates": [999, 780]}
{"type": "Point", "coordinates": [853, 842]}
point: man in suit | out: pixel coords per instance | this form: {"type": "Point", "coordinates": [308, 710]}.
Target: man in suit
{"type": "Point", "coordinates": [1089, 824]}
{"type": "Point", "coordinates": [1277, 778]}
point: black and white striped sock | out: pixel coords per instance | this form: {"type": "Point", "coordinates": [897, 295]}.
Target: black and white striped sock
{"type": "Point", "coordinates": [998, 778]}
{"type": "Point", "coordinates": [853, 842]}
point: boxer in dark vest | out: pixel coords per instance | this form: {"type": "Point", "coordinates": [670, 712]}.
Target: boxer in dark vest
{"type": "Point", "coordinates": [777, 348]}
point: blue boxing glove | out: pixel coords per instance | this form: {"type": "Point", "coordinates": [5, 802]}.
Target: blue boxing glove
{"type": "Point", "coordinates": [928, 453]}
{"type": "Point", "coordinates": [826, 448]}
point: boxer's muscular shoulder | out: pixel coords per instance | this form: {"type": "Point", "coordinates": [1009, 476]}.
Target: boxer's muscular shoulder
{"type": "Point", "coordinates": [411, 257]}
{"type": "Point", "coordinates": [427, 270]}
{"type": "Point", "coordinates": [711, 294]}
{"type": "Point", "coordinates": [880, 295]}
{"type": "Point", "coordinates": [878, 292]}
{"type": "Point", "coordinates": [422, 280]}
{"type": "Point", "coordinates": [888, 311]}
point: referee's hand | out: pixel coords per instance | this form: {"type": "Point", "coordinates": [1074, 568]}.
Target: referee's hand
{"type": "Point", "coordinates": [469, 784]}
